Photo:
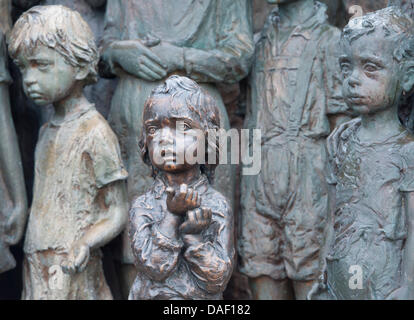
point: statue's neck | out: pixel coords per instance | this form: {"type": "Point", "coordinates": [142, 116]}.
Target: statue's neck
{"type": "Point", "coordinates": [70, 105]}
{"type": "Point", "coordinates": [297, 12]}
{"type": "Point", "coordinates": [176, 179]}
{"type": "Point", "coordinates": [383, 124]}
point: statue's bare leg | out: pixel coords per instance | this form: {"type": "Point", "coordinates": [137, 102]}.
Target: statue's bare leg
{"type": "Point", "coordinates": [266, 288]}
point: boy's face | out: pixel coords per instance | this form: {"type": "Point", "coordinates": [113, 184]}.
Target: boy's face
{"type": "Point", "coordinates": [371, 74]}
{"type": "Point", "coordinates": [171, 133]}
{"type": "Point", "coordinates": [47, 78]}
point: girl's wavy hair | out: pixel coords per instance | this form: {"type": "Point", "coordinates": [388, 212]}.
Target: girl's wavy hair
{"type": "Point", "coordinates": [61, 29]}
{"type": "Point", "coordinates": [397, 27]}
{"type": "Point", "coordinates": [184, 91]}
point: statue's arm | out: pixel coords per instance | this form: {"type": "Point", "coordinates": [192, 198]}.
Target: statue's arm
{"type": "Point", "coordinates": [406, 289]}
{"type": "Point", "coordinates": [156, 249]}
{"type": "Point", "coordinates": [211, 255]}
{"type": "Point", "coordinates": [230, 61]}
{"type": "Point", "coordinates": [114, 201]}
{"type": "Point", "coordinates": [132, 56]}
{"type": "Point", "coordinates": [408, 258]}
{"type": "Point", "coordinates": [11, 167]}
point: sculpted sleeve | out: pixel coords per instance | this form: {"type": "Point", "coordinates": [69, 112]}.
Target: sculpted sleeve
{"type": "Point", "coordinates": [230, 61]}
{"type": "Point", "coordinates": [113, 22]}
{"type": "Point", "coordinates": [106, 157]}
{"type": "Point", "coordinates": [156, 255]}
{"type": "Point", "coordinates": [407, 184]}
{"type": "Point", "coordinates": [211, 259]}
{"type": "Point", "coordinates": [112, 32]}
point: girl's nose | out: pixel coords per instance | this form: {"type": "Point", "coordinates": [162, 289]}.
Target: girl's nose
{"type": "Point", "coordinates": [167, 136]}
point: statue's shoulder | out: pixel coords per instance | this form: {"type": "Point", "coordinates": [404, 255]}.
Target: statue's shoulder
{"type": "Point", "coordinates": [216, 201]}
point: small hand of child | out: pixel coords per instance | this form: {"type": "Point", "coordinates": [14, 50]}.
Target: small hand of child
{"type": "Point", "coordinates": [187, 199]}
{"type": "Point", "coordinates": [77, 260]}
{"type": "Point", "coordinates": [197, 220]}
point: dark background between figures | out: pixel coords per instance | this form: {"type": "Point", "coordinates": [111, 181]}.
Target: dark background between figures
{"type": "Point", "coordinates": [27, 123]}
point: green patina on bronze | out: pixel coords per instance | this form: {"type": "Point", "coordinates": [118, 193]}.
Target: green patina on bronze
{"type": "Point", "coordinates": [295, 87]}
{"type": "Point", "coordinates": [372, 163]}
{"type": "Point", "coordinates": [146, 41]}
{"type": "Point", "coordinates": [13, 202]}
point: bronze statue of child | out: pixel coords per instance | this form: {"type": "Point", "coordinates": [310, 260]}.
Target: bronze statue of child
{"type": "Point", "coordinates": [295, 100]}
{"type": "Point", "coordinates": [181, 230]}
{"type": "Point", "coordinates": [79, 201]}
{"type": "Point", "coordinates": [372, 161]}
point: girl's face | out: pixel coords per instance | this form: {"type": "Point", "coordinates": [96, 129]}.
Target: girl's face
{"type": "Point", "coordinates": [370, 73]}
{"type": "Point", "coordinates": [174, 136]}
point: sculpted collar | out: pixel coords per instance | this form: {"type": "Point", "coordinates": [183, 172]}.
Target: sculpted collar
{"type": "Point", "coordinates": [76, 115]}
{"type": "Point", "coordinates": [315, 16]}
{"type": "Point", "coordinates": [201, 185]}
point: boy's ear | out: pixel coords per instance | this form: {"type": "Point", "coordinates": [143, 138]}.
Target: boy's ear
{"type": "Point", "coordinates": [81, 73]}
{"type": "Point", "coordinates": [408, 77]}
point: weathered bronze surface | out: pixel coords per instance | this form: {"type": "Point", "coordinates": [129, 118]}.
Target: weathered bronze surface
{"type": "Point", "coordinates": [93, 11]}
{"type": "Point", "coordinates": [144, 42]}
{"type": "Point", "coordinates": [289, 244]}
{"type": "Point", "coordinates": [367, 5]}
{"type": "Point", "coordinates": [13, 202]}
{"type": "Point", "coordinates": [295, 84]}
{"type": "Point", "coordinates": [372, 163]}
{"type": "Point", "coordinates": [79, 201]}
{"type": "Point", "coordinates": [181, 229]}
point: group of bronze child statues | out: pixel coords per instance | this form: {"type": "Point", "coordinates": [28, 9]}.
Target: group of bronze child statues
{"type": "Point", "coordinates": [330, 215]}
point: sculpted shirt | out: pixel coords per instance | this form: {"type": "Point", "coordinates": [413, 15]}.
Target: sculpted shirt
{"type": "Point", "coordinates": [166, 268]}
{"type": "Point", "coordinates": [73, 161]}
{"type": "Point", "coordinates": [295, 78]}
{"type": "Point", "coordinates": [216, 34]}
{"type": "Point", "coordinates": [369, 221]}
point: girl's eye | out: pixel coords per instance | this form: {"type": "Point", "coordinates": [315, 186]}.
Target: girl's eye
{"type": "Point", "coordinates": [42, 66]}
{"type": "Point", "coordinates": [187, 127]}
{"type": "Point", "coordinates": [345, 68]}
{"type": "Point", "coordinates": [183, 126]}
{"type": "Point", "coordinates": [371, 67]}
{"type": "Point", "coordinates": [151, 130]}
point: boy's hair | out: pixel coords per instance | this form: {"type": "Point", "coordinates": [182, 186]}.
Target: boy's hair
{"type": "Point", "coordinates": [60, 29]}
{"type": "Point", "coordinates": [398, 28]}
{"type": "Point", "coordinates": [183, 91]}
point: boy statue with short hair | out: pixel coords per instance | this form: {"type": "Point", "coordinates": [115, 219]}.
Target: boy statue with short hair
{"type": "Point", "coordinates": [372, 160]}
{"type": "Point", "coordinates": [295, 97]}
{"type": "Point", "coordinates": [181, 230]}
{"type": "Point", "coordinates": [79, 201]}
